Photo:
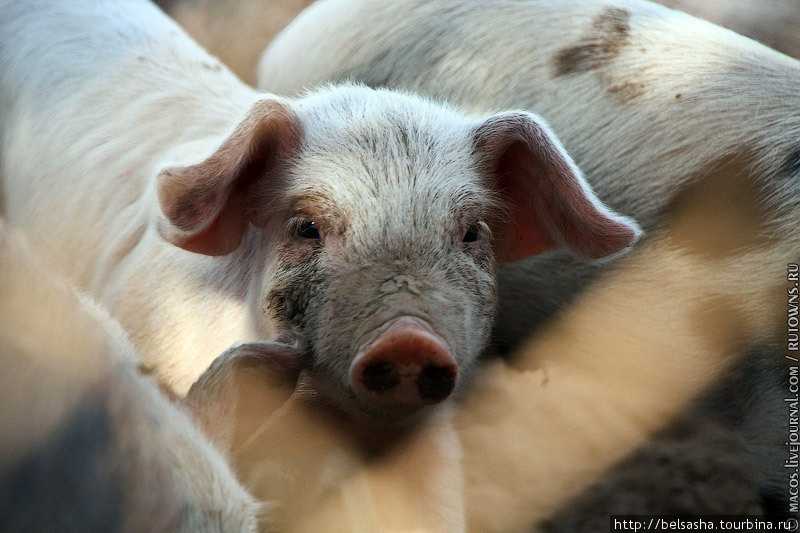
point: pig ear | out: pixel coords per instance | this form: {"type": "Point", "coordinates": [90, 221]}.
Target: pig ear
{"type": "Point", "coordinates": [242, 386]}
{"type": "Point", "coordinates": [550, 204]}
{"type": "Point", "coordinates": [205, 205]}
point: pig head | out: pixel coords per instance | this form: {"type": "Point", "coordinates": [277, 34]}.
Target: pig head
{"type": "Point", "coordinates": [379, 220]}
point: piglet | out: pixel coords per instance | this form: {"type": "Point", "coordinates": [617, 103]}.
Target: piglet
{"type": "Point", "coordinates": [383, 217]}
{"type": "Point", "coordinates": [364, 226]}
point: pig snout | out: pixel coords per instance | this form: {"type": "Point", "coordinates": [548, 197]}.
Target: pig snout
{"type": "Point", "coordinates": [406, 366]}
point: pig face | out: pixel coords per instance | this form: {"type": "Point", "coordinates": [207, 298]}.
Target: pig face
{"type": "Point", "coordinates": [383, 219]}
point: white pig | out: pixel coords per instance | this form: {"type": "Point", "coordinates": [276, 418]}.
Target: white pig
{"type": "Point", "coordinates": [363, 225]}
{"type": "Point", "coordinates": [237, 31]}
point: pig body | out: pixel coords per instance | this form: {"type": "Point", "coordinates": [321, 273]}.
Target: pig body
{"type": "Point", "coordinates": [362, 225]}
{"type": "Point", "coordinates": [74, 110]}
{"type": "Point", "coordinates": [88, 443]}
{"type": "Point", "coordinates": [648, 100]}
{"type": "Point", "coordinates": [316, 472]}
{"type": "Point", "coordinates": [587, 400]}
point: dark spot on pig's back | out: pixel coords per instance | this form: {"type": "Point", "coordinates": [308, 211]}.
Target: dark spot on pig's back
{"type": "Point", "coordinates": [610, 32]}
{"type": "Point", "coordinates": [628, 90]}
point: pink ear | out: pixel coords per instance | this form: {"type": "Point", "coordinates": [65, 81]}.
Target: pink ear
{"type": "Point", "coordinates": [205, 205]}
{"type": "Point", "coordinates": [550, 203]}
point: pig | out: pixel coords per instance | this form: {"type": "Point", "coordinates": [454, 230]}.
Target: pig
{"type": "Point", "coordinates": [702, 461]}
{"type": "Point", "coordinates": [361, 226]}
{"type": "Point", "coordinates": [88, 443]}
{"type": "Point", "coordinates": [648, 100]}
{"type": "Point", "coordinates": [236, 31]}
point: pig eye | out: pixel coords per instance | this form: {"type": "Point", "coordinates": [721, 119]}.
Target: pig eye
{"type": "Point", "coordinates": [308, 230]}
{"type": "Point", "coordinates": [472, 234]}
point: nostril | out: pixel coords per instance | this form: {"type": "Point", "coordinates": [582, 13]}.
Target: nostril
{"type": "Point", "coordinates": [379, 377]}
{"type": "Point", "coordinates": [435, 383]}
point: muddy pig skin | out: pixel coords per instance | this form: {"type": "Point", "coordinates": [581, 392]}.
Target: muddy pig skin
{"type": "Point", "coordinates": [361, 224]}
